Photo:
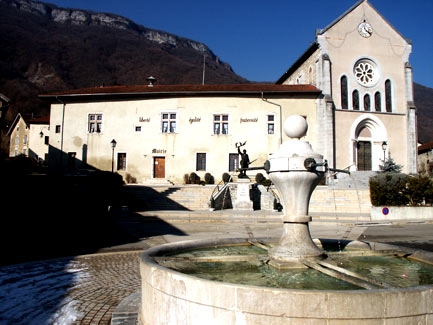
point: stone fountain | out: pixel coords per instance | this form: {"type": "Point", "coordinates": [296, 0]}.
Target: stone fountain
{"type": "Point", "coordinates": [172, 296]}
{"type": "Point", "coordinates": [296, 170]}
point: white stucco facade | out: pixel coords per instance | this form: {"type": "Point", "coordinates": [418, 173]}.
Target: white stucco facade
{"type": "Point", "coordinates": [137, 127]}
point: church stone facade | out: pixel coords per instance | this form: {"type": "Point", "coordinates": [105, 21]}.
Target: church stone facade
{"type": "Point", "coordinates": [361, 64]}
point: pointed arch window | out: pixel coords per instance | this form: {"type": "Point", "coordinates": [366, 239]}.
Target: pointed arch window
{"type": "Point", "coordinates": [344, 93]}
{"type": "Point", "coordinates": [367, 103]}
{"type": "Point", "coordinates": [388, 96]}
{"type": "Point", "coordinates": [377, 101]}
{"type": "Point", "coordinates": [355, 100]}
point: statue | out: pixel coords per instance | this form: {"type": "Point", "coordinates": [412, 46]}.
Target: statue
{"type": "Point", "coordinates": [245, 160]}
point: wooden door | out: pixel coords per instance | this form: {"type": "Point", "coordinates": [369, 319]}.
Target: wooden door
{"type": "Point", "coordinates": [364, 155]}
{"type": "Point", "coordinates": [159, 167]}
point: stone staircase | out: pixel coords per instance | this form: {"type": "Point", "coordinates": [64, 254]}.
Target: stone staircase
{"type": "Point", "coordinates": [167, 197]}
{"type": "Point", "coordinates": [356, 180]}
{"type": "Point", "coordinates": [336, 203]}
{"type": "Point", "coordinates": [347, 199]}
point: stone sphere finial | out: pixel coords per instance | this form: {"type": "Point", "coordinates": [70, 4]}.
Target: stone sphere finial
{"type": "Point", "coordinates": [295, 126]}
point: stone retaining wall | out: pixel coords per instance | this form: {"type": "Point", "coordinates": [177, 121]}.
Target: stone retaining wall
{"type": "Point", "coordinates": [401, 213]}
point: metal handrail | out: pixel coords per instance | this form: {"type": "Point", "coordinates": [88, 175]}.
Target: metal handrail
{"type": "Point", "coordinates": [216, 192]}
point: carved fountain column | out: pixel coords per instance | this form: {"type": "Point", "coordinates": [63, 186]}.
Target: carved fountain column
{"type": "Point", "coordinates": [287, 169]}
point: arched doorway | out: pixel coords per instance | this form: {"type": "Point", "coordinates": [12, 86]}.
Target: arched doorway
{"type": "Point", "coordinates": [368, 134]}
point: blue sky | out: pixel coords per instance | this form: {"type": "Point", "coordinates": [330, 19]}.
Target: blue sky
{"type": "Point", "coordinates": [262, 39]}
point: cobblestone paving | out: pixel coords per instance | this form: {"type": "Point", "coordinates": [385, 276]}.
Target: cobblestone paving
{"type": "Point", "coordinates": [86, 289]}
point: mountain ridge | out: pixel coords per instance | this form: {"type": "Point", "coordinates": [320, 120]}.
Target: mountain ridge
{"type": "Point", "coordinates": [47, 48]}
{"type": "Point", "coordinates": [81, 17]}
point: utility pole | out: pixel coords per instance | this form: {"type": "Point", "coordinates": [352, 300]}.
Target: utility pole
{"type": "Point", "coordinates": [204, 67]}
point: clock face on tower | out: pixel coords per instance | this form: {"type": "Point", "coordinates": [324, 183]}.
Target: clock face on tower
{"type": "Point", "coordinates": [365, 29]}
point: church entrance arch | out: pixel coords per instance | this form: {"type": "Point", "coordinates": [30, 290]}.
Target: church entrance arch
{"type": "Point", "coordinates": [367, 133]}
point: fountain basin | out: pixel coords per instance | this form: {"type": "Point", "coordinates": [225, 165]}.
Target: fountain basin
{"type": "Point", "coordinates": [172, 297]}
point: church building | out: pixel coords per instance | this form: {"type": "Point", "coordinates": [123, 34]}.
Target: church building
{"type": "Point", "coordinates": [353, 85]}
{"type": "Point", "coordinates": [366, 112]}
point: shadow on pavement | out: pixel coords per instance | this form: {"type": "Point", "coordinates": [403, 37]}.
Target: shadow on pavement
{"type": "Point", "coordinates": [46, 217]}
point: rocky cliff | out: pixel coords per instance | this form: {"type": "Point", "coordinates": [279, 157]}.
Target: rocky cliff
{"type": "Point", "coordinates": [46, 48]}
{"type": "Point", "coordinates": [88, 18]}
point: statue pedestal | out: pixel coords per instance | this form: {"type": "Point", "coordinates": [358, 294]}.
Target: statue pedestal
{"type": "Point", "coordinates": [243, 201]}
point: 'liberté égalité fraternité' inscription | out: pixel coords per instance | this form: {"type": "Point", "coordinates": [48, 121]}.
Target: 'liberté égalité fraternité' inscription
{"type": "Point", "coordinates": [249, 120]}
{"type": "Point", "coordinates": [194, 120]}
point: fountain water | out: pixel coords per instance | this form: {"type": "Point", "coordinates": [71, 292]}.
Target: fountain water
{"type": "Point", "coordinates": [173, 291]}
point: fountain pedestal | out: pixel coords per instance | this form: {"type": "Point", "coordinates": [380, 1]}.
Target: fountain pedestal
{"type": "Point", "coordinates": [289, 169]}
{"type": "Point", "coordinates": [295, 242]}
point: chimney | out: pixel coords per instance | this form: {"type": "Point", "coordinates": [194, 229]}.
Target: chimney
{"type": "Point", "coordinates": [151, 81]}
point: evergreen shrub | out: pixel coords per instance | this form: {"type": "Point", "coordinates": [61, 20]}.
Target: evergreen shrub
{"type": "Point", "coordinates": [260, 178]}
{"type": "Point", "coordinates": [186, 179]}
{"type": "Point", "coordinates": [398, 189]}
{"type": "Point", "coordinates": [419, 190]}
{"type": "Point", "coordinates": [209, 179]}
{"type": "Point", "coordinates": [194, 178]}
{"type": "Point", "coordinates": [226, 177]}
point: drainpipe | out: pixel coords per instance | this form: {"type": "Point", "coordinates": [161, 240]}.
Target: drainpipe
{"type": "Point", "coordinates": [281, 116]}
{"type": "Point", "coordinates": [61, 131]}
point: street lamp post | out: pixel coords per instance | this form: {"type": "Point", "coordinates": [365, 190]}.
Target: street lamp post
{"type": "Point", "coordinates": [113, 145]}
{"type": "Point", "coordinates": [384, 145]}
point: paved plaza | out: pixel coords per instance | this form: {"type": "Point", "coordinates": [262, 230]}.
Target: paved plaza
{"type": "Point", "coordinates": [87, 289]}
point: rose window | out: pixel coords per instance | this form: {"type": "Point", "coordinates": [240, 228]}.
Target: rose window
{"type": "Point", "coordinates": [365, 72]}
